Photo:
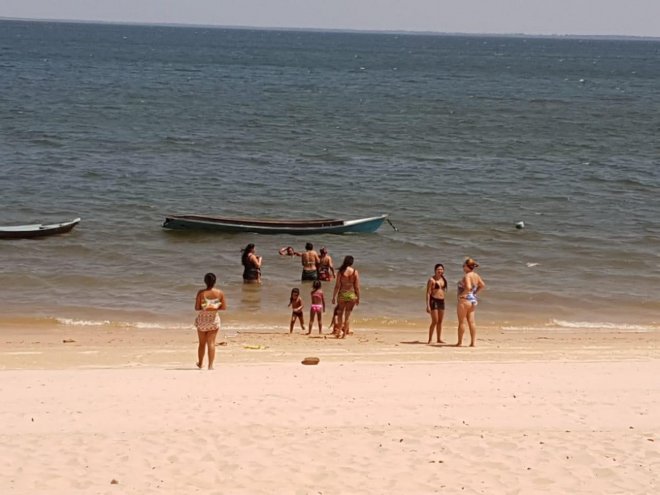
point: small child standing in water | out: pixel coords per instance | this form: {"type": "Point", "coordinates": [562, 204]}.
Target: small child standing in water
{"type": "Point", "coordinates": [317, 307]}
{"type": "Point", "coordinates": [296, 304]}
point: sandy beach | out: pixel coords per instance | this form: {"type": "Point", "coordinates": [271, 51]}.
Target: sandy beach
{"type": "Point", "coordinates": [126, 411]}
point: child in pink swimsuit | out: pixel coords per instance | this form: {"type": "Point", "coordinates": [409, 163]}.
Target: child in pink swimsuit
{"type": "Point", "coordinates": [318, 306]}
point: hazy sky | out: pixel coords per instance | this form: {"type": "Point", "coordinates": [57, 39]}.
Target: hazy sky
{"type": "Point", "coordinates": [608, 17]}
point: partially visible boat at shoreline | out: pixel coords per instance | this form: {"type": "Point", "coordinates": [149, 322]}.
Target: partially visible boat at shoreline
{"type": "Point", "coordinates": [268, 226]}
{"type": "Point", "coordinates": [37, 230]}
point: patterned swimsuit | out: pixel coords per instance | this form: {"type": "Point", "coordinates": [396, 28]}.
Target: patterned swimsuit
{"type": "Point", "coordinates": [470, 296]}
{"type": "Point", "coordinates": [208, 319]}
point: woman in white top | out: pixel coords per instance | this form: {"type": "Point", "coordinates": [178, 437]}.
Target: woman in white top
{"type": "Point", "coordinates": [208, 302]}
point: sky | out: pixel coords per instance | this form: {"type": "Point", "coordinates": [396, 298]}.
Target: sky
{"type": "Point", "coordinates": [544, 17]}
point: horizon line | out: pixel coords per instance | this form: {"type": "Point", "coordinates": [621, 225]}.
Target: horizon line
{"type": "Point", "coordinates": [336, 30]}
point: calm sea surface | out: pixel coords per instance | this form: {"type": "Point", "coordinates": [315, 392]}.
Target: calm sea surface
{"type": "Point", "coordinates": [456, 137]}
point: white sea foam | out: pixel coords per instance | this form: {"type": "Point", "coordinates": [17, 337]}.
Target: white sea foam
{"type": "Point", "coordinates": [233, 329]}
{"type": "Point", "coordinates": [156, 326]}
{"type": "Point", "coordinates": [569, 326]}
{"type": "Point", "coordinates": [603, 325]}
{"type": "Point", "coordinates": [125, 324]}
{"type": "Point", "coordinates": [82, 323]}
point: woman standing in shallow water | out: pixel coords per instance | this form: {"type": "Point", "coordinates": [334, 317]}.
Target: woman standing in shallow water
{"type": "Point", "coordinates": [208, 302]}
{"type": "Point", "coordinates": [326, 268]}
{"type": "Point", "coordinates": [436, 287]}
{"type": "Point", "coordinates": [251, 265]}
{"type": "Point", "coordinates": [468, 287]}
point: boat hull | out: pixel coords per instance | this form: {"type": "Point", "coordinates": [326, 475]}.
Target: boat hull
{"type": "Point", "coordinates": [294, 227]}
{"type": "Point", "coordinates": [37, 230]}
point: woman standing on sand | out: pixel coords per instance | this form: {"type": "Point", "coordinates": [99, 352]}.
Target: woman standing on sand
{"type": "Point", "coordinates": [346, 295]}
{"type": "Point", "coordinates": [208, 302]}
{"type": "Point", "coordinates": [468, 288]}
{"type": "Point", "coordinates": [251, 265]}
{"type": "Point", "coordinates": [436, 288]}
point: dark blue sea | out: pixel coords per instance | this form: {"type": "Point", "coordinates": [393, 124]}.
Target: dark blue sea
{"type": "Point", "coordinates": [458, 138]}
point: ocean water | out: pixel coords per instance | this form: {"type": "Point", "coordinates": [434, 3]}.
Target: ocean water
{"type": "Point", "coordinates": [456, 137]}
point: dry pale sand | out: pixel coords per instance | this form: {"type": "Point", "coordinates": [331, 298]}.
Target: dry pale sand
{"type": "Point", "coordinates": [126, 412]}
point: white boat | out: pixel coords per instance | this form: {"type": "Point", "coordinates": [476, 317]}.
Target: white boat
{"type": "Point", "coordinates": [37, 230]}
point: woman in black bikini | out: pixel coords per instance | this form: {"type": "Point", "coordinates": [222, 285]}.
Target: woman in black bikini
{"type": "Point", "coordinates": [251, 265]}
{"type": "Point", "coordinates": [436, 287]}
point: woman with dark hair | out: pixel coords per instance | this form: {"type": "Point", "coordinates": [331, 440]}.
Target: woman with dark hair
{"type": "Point", "coordinates": [468, 288]}
{"type": "Point", "coordinates": [251, 265]}
{"type": "Point", "coordinates": [436, 287]}
{"type": "Point", "coordinates": [310, 261]}
{"type": "Point", "coordinates": [325, 268]}
{"type": "Point", "coordinates": [346, 295]}
{"type": "Point", "coordinates": [208, 302]}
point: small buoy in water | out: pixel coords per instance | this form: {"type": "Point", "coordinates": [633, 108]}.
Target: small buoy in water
{"type": "Point", "coordinates": [520, 225]}
{"type": "Point", "coordinates": [310, 360]}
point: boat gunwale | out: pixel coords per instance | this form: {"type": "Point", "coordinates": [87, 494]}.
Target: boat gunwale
{"type": "Point", "coordinates": [327, 222]}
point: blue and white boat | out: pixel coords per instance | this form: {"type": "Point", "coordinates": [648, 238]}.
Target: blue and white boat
{"type": "Point", "coordinates": [267, 226]}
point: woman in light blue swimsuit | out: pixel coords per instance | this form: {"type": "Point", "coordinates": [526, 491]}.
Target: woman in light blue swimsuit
{"type": "Point", "coordinates": [468, 287]}
{"type": "Point", "coordinates": [208, 302]}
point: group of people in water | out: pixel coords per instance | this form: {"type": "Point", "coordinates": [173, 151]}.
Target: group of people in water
{"type": "Point", "coordinates": [345, 297]}
{"type": "Point", "coordinates": [315, 266]}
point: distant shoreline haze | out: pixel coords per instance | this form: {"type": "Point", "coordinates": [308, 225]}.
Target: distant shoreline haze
{"type": "Point", "coordinates": [340, 30]}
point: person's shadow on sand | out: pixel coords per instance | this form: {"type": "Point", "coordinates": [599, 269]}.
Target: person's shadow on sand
{"type": "Point", "coordinates": [420, 342]}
